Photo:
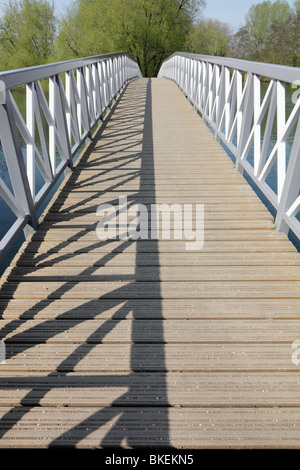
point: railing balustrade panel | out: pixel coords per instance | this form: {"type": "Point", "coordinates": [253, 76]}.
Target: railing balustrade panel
{"type": "Point", "coordinates": [58, 119]}
{"type": "Point", "coordinates": [244, 103]}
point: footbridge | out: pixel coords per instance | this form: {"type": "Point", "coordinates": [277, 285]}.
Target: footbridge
{"type": "Point", "coordinates": [156, 298]}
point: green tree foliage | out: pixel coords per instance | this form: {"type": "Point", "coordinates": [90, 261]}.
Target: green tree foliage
{"type": "Point", "coordinates": [241, 46]}
{"type": "Point", "coordinates": [260, 18]}
{"type": "Point", "coordinates": [86, 29]}
{"type": "Point", "coordinates": [27, 33]}
{"type": "Point", "coordinates": [297, 6]}
{"type": "Point", "coordinates": [271, 34]}
{"type": "Point", "coordinates": [209, 37]}
{"type": "Point", "coordinates": [148, 30]}
{"type": "Point", "coordinates": [154, 31]}
{"type": "Point", "coordinates": [283, 46]}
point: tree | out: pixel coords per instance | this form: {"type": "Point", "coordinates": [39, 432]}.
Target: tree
{"type": "Point", "coordinates": [209, 37]}
{"type": "Point", "coordinates": [283, 46]}
{"type": "Point", "coordinates": [297, 6]}
{"type": "Point", "coordinates": [240, 45]}
{"type": "Point", "coordinates": [86, 29]}
{"type": "Point", "coordinates": [148, 30]}
{"type": "Point", "coordinates": [153, 30]}
{"type": "Point", "coordinates": [27, 33]}
{"type": "Point", "coordinates": [260, 18]}
{"type": "Point", "coordinates": [271, 34]}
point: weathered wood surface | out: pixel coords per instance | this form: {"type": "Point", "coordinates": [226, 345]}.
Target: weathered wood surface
{"type": "Point", "coordinates": [141, 342]}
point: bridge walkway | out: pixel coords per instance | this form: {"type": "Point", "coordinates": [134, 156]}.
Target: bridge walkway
{"type": "Point", "coordinates": [135, 342]}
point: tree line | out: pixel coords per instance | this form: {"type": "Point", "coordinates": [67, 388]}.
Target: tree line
{"type": "Point", "coordinates": [271, 34]}
{"type": "Point", "coordinates": [148, 30]}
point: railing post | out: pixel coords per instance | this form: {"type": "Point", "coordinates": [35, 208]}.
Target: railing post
{"type": "Point", "coordinates": [227, 100]}
{"type": "Point", "coordinates": [101, 89]}
{"type": "Point", "coordinates": [256, 131]}
{"type": "Point", "coordinates": [217, 97]}
{"type": "Point", "coordinates": [197, 80]}
{"type": "Point", "coordinates": [83, 105]}
{"type": "Point", "coordinates": [90, 92]}
{"type": "Point", "coordinates": [291, 187]}
{"type": "Point", "coordinates": [69, 100]}
{"type": "Point", "coordinates": [62, 127]}
{"type": "Point", "coordinates": [246, 121]}
{"type": "Point", "coordinates": [16, 165]}
{"type": "Point", "coordinates": [239, 95]}
{"type": "Point", "coordinates": [281, 152]}
{"type": "Point", "coordinates": [205, 88]}
{"type": "Point", "coordinates": [52, 137]}
{"type": "Point", "coordinates": [30, 157]}
{"type": "Point", "coordinates": [210, 89]}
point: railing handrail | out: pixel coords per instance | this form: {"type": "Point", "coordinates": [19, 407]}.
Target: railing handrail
{"type": "Point", "coordinates": [283, 73]}
{"type": "Point", "coordinates": [64, 121]}
{"type": "Point", "coordinates": [19, 77]}
{"type": "Point", "coordinates": [235, 108]}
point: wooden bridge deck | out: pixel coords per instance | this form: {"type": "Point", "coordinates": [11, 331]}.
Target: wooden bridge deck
{"type": "Point", "coordinates": [141, 342]}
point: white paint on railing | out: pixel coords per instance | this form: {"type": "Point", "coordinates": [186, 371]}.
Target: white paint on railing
{"type": "Point", "coordinates": [80, 92]}
{"type": "Point", "coordinates": [234, 108]}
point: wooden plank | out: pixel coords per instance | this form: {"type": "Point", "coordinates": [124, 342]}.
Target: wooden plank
{"type": "Point", "coordinates": [218, 214]}
{"type": "Point", "coordinates": [152, 273]}
{"type": "Point", "coordinates": [151, 246]}
{"type": "Point", "coordinates": [207, 389]}
{"type": "Point", "coordinates": [150, 331]}
{"type": "Point", "coordinates": [133, 182]}
{"type": "Point", "coordinates": [180, 428]}
{"type": "Point", "coordinates": [158, 173]}
{"type": "Point", "coordinates": [91, 205]}
{"type": "Point", "coordinates": [212, 309]}
{"type": "Point", "coordinates": [165, 259]}
{"type": "Point", "coordinates": [69, 357]}
{"type": "Point", "coordinates": [90, 236]}
{"type": "Point", "coordinates": [128, 288]}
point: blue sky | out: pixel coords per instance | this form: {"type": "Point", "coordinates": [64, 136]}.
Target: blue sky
{"type": "Point", "coordinates": [227, 11]}
{"type": "Point", "coordinates": [231, 11]}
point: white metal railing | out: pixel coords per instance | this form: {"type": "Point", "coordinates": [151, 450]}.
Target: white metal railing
{"type": "Point", "coordinates": [80, 92]}
{"type": "Point", "coordinates": [228, 94]}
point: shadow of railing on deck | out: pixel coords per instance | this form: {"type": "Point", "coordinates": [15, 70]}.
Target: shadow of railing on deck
{"type": "Point", "coordinates": [147, 391]}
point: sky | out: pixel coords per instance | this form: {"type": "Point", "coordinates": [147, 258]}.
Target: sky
{"type": "Point", "coordinates": [231, 11]}
{"type": "Point", "coordinates": [227, 11]}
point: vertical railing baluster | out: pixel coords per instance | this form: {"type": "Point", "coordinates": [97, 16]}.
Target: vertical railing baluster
{"type": "Point", "coordinates": [291, 187]}
{"type": "Point", "coordinates": [105, 82]}
{"type": "Point", "coordinates": [239, 115]}
{"type": "Point", "coordinates": [62, 127]}
{"type": "Point", "coordinates": [52, 137]}
{"type": "Point", "coordinates": [96, 91]}
{"type": "Point", "coordinates": [30, 154]}
{"type": "Point", "coordinates": [69, 100]}
{"type": "Point", "coordinates": [42, 133]}
{"type": "Point", "coordinates": [246, 121]}
{"type": "Point", "coordinates": [217, 97]}
{"type": "Point", "coordinates": [227, 101]}
{"type": "Point", "coordinates": [101, 89]}
{"type": "Point", "coordinates": [256, 124]}
{"type": "Point", "coordinates": [281, 152]}
{"type": "Point", "coordinates": [85, 121]}
{"type": "Point", "coordinates": [16, 165]}
{"type": "Point", "coordinates": [221, 102]}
